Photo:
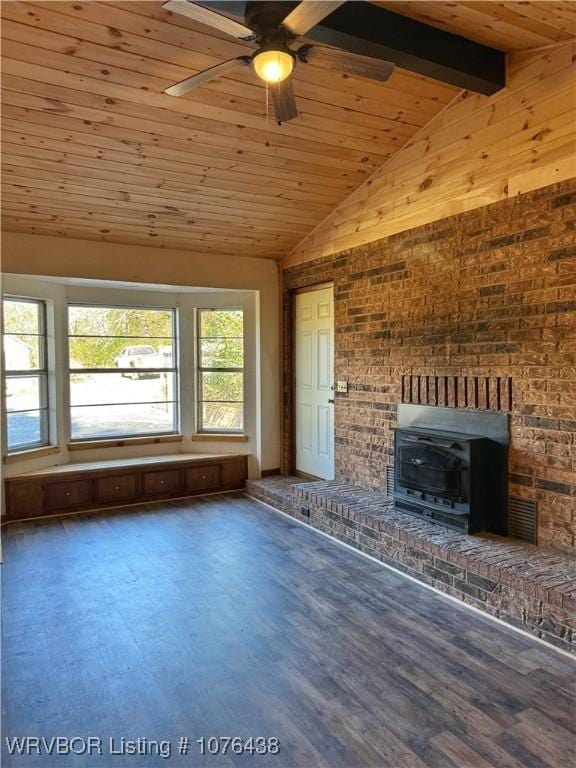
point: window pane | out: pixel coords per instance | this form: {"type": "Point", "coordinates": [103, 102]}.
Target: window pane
{"type": "Point", "coordinates": [22, 316]}
{"type": "Point", "coordinates": [26, 429]}
{"type": "Point", "coordinates": [122, 420]}
{"type": "Point", "coordinates": [222, 416]}
{"type": "Point", "coordinates": [112, 352]}
{"type": "Point", "coordinates": [120, 321]}
{"type": "Point", "coordinates": [221, 322]}
{"type": "Point", "coordinates": [222, 386]}
{"type": "Point", "coordinates": [22, 353]}
{"type": "Point", "coordinates": [26, 396]}
{"type": "Point", "coordinates": [222, 353]}
{"type": "Point", "coordinates": [138, 401]}
{"type": "Point", "coordinates": [24, 393]}
{"type": "Point", "coordinates": [108, 388]}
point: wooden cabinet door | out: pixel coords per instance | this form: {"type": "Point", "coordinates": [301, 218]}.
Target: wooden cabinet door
{"type": "Point", "coordinates": [68, 493]}
{"type": "Point", "coordinates": [161, 481]}
{"type": "Point", "coordinates": [234, 473]}
{"type": "Point", "coordinates": [203, 478]}
{"type": "Point", "coordinates": [119, 488]}
{"type": "Point", "coordinates": [24, 499]}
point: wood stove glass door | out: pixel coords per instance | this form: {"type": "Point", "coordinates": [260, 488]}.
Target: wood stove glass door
{"type": "Point", "coordinates": [314, 394]}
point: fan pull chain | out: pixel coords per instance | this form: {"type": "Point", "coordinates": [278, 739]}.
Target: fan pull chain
{"type": "Point", "coordinates": [267, 143]}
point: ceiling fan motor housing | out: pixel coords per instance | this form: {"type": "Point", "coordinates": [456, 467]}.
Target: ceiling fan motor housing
{"type": "Point", "coordinates": [266, 18]}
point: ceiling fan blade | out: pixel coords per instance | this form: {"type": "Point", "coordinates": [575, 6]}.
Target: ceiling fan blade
{"type": "Point", "coordinates": [284, 100]}
{"type": "Point", "coordinates": [346, 62]}
{"type": "Point", "coordinates": [309, 13]}
{"type": "Point", "coordinates": [210, 18]}
{"type": "Point", "coordinates": [179, 89]}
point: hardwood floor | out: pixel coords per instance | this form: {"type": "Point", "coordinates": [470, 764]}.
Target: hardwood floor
{"type": "Point", "coordinates": [218, 617]}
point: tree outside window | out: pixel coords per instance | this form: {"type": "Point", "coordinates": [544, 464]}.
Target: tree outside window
{"type": "Point", "coordinates": [220, 370]}
{"type": "Point", "coordinates": [123, 371]}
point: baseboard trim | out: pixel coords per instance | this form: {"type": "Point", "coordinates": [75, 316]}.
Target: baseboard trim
{"type": "Point", "coordinates": [438, 592]}
{"type": "Point", "coordinates": [270, 472]}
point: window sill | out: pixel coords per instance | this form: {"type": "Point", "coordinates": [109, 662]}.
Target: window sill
{"type": "Point", "coordinates": [219, 437]}
{"type": "Point", "coordinates": [90, 445]}
{"type": "Point", "coordinates": [33, 453]}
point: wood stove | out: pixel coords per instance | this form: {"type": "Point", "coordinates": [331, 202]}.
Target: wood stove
{"type": "Point", "coordinates": [449, 477]}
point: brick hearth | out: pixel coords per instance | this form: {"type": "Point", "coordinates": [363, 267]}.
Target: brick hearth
{"type": "Point", "coordinates": [524, 585]}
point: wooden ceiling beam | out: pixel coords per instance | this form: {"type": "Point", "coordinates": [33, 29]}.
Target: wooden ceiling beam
{"type": "Point", "coordinates": [507, 24]}
{"type": "Point", "coordinates": [373, 31]}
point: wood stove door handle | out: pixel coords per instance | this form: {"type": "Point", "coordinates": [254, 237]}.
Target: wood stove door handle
{"type": "Point", "coordinates": [431, 441]}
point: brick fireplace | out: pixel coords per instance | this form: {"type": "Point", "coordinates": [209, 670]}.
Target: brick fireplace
{"type": "Point", "coordinates": [477, 311]}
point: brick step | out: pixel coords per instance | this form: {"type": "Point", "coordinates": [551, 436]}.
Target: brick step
{"type": "Point", "coordinates": [526, 586]}
{"type": "Point", "coordinates": [278, 490]}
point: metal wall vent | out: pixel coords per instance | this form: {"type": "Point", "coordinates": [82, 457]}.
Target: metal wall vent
{"type": "Point", "coordinates": [389, 479]}
{"type": "Point", "coordinates": [523, 519]}
{"type": "Point", "coordinates": [485, 393]}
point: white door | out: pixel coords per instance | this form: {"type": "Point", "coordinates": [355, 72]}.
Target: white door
{"type": "Point", "coordinates": [314, 338]}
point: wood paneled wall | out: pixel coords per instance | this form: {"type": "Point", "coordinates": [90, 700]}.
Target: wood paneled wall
{"type": "Point", "coordinates": [477, 151]}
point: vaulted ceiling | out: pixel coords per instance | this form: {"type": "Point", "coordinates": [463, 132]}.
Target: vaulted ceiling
{"type": "Point", "coordinates": [93, 149]}
{"type": "Point", "coordinates": [510, 25]}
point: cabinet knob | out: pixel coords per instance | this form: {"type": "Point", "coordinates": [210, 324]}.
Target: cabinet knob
{"type": "Point", "coordinates": [162, 482]}
{"type": "Point", "coordinates": [203, 477]}
{"type": "Point", "coordinates": [68, 493]}
{"type": "Point", "coordinates": [116, 487]}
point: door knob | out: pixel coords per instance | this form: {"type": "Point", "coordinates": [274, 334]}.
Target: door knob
{"type": "Point", "coordinates": [331, 400]}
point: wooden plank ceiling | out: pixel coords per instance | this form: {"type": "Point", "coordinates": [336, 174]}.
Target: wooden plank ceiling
{"type": "Point", "coordinates": [508, 25]}
{"type": "Point", "coordinates": [93, 149]}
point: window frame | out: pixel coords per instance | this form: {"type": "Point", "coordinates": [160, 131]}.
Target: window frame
{"type": "Point", "coordinates": [41, 373]}
{"type": "Point", "coordinates": [174, 370]}
{"type": "Point", "coordinates": [200, 428]}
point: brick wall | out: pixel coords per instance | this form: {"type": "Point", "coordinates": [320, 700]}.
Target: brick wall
{"type": "Point", "coordinates": [487, 293]}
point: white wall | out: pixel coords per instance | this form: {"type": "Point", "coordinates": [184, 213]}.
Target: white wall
{"type": "Point", "coordinates": [75, 271]}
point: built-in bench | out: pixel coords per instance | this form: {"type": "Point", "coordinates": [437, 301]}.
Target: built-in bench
{"type": "Point", "coordinates": [120, 482]}
{"type": "Point", "coordinates": [522, 584]}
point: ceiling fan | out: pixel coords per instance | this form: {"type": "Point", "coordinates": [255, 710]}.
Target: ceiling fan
{"type": "Point", "coordinates": [273, 32]}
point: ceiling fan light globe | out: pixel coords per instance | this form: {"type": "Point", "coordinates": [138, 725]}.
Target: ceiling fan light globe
{"type": "Point", "coordinates": [273, 66]}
